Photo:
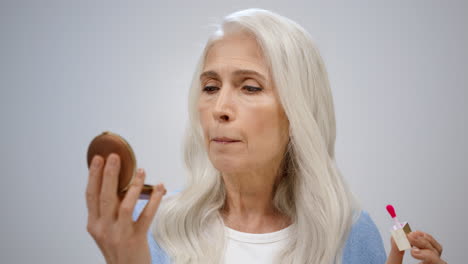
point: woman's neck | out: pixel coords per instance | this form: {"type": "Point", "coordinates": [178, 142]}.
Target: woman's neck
{"type": "Point", "coordinates": [249, 205]}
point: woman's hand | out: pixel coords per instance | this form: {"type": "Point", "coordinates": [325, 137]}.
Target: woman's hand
{"type": "Point", "coordinates": [425, 248]}
{"type": "Point", "coordinates": [110, 221]}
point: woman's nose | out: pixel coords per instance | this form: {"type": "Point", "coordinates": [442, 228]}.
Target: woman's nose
{"type": "Point", "coordinates": [223, 108]}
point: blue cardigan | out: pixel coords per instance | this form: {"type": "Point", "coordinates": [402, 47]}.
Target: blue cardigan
{"type": "Point", "coordinates": [363, 246]}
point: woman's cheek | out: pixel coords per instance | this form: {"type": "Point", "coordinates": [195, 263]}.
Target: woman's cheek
{"type": "Point", "coordinates": [203, 116]}
{"type": "Point", "coordinates": [261, 128]}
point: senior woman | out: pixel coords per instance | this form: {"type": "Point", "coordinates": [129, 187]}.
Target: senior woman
{"type": "Point", "coordinates": [263, 183]}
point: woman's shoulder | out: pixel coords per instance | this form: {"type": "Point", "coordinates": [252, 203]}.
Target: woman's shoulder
{"type": "Point", "coordinates": [364, 243]}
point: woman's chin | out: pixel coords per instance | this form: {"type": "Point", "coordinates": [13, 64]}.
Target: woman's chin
{"type": "Point", "coordinates": [226, 165]}
{"type": "Point", "coordinates": [226, 168]}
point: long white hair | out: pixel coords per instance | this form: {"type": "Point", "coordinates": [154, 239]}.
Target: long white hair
{"type": "Point", "coordinates": [188, 226]}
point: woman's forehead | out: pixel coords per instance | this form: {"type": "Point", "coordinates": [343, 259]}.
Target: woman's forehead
{"type": "Point", "coordinates": [235, 53]}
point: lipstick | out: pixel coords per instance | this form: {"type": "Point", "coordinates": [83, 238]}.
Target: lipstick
{"type": "Point", "coordinates": [399, 231]}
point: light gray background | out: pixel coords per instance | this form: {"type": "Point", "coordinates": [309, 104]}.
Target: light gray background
{"type": "Point", "coordinates": [71, 69]}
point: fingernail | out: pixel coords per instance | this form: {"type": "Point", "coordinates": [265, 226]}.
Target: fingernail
{"type": "Point", "coordinates": [140, 172]}
{"type": "Point", "coordinates": [96, 161]}
{"type": "Point", "coordinates": [113, 159]}
{"type": "Point", "coordinates": [160, 188]}
{"type": "Point", "coordinates": [416, 250]}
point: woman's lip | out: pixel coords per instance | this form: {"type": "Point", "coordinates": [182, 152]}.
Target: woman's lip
{"type": "Point", "coordinates": [223, 141]}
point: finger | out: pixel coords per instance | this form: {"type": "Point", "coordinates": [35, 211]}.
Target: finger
{"type": "Point", "coordinates": [418, 240]}
{"type": "Point", "coordinates": [426, 255]}
{"type": "Point", "coordinates": [131, 198]}
{"type": "Point", "coordinates": [108, 199]}
{"type": "Point", "coordinates": [147, 215]}
{"type": "Point", "coordinates": [395, 256]}
{"type": "Point", "coordinates": [434, 243]}
{"type": "Point", "coordinates": [93, 188]}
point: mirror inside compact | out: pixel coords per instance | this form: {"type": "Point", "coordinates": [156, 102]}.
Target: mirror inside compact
{"type": "Point", "coordinates": [107, 143]}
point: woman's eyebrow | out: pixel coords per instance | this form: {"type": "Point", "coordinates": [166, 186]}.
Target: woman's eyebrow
{"type": "Point", "coordinates": [213, 74]}
{"type": "Point", "coordinates": [249, 72]}
{"type": "Point", "coordinates": [209, 74]}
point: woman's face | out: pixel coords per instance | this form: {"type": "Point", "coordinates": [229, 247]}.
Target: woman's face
{"type": "Point", "coordinates": [238, 101]}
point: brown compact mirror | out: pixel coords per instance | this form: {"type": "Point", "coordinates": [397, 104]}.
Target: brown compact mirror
{"type": "Point", "coordinates": [107, 143]}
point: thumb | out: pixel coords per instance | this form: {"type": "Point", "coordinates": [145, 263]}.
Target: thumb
{"type": "Point", "coordinates": [395, 256]}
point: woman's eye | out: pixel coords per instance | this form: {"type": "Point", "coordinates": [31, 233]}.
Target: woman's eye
{"type": "Point", "coordinates": [209, 89]}
{"type": "Point", "coordinates": [252, 89]}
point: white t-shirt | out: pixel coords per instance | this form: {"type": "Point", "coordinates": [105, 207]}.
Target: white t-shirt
{"type": "Point", "coordinates": [246, 248]}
